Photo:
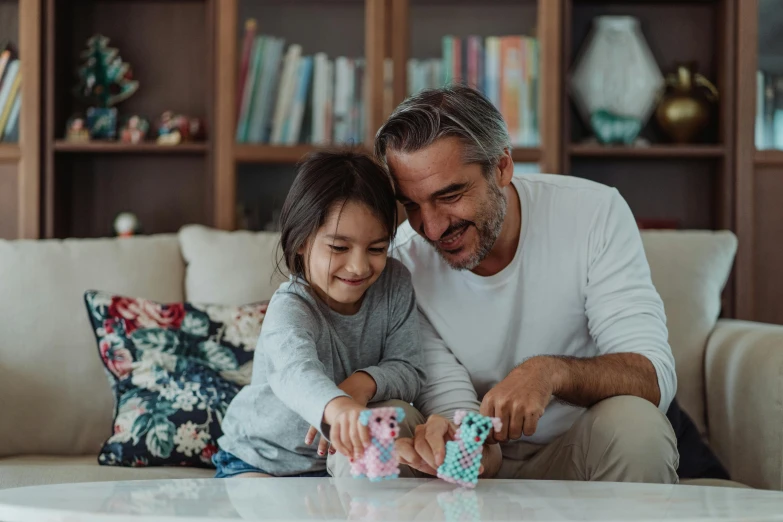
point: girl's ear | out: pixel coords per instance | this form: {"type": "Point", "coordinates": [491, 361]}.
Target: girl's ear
{"type": "Point", "coordinates": [400, 414]}
{"type": "Point", "coordinates": [458, 416]}
{"type": "Point", "coordinates": [364, 417]}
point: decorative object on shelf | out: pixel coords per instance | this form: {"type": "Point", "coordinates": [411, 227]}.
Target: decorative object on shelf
{"type": "Point", "coordinates": [126, 224]}
{"type": "Point", "coordinates": [76, 129]}
{"type": "Point", "coordinates": [134, 130]}
{"type": "Point", "coordinates": [686, 105]}
{"type": "Point", "coordinates": [104, 81]}
{"type": "Point", "coordinates": [197, 129]}
{"type": "Point", "coordinates": [615, 82]}
{"type": "Point", "coordinates": [173, 129]}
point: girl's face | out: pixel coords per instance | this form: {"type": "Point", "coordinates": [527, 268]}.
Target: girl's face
{"type": "Point", "coordinates": [346, 256]}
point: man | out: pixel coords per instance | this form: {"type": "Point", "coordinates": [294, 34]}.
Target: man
{"type": "Point", "coordinates": [536, 304]}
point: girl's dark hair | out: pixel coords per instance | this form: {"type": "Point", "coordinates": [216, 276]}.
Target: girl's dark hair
{"type": "Point", "coordinates": [325, 179]}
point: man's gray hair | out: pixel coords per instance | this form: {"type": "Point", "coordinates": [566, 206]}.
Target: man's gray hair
{"type": "Point", "coordinates": [457, 111]}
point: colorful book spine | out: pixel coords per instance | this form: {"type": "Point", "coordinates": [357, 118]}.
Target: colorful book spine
{"type": "Point", "coordinates": [11, 131]}
{"type": "Point", "coordinates": [295, 120]}
{"type": "Point", "coordinates": [247, 49]}
{"type": "Point", "coordinates": [249, 92]}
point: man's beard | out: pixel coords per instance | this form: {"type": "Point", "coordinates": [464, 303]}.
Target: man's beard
{"type": "Point", "coordinates": [488, 223]}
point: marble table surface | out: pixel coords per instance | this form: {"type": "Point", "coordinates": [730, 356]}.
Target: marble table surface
{"type": "Point", "coordinates": [300, 499]}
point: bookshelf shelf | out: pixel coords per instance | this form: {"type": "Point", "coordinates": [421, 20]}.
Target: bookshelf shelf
{"type": "Point", "coordinates": [10, 152]}
{"type": "Point", "coordinates": [281, 154]}
{"type": "Point", "coordinates": [768, 157]}
{"type": "Point", "coordinates": [654, 151]}
{"type": "Point", "coordinates": [289, 154]}
{"type": "Point", "coordinates": [127, 148]}
{"type": "Point", "coordinates": [526, 155]}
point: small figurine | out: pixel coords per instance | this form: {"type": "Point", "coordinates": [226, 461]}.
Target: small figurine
{"type": "Point", "coordinates": [76, 129]}
{"type": "Point", "coordinates": [134, 130]}
{"type": "Point", "coordinates": [380, 460]}
{"type": "Point", "coordinates": [126, 224]}
{"type": "Point", "coordinates": [197, 129]}
{"type": "Point", "coordinates": [102, 122]}
{"type": "Point", "coordinates": [463, 454]}
{"type": "Point", "coordinates": [173, 128]}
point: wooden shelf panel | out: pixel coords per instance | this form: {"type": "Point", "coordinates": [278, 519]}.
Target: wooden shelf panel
{"type": "Point", "coordinates": [281, 154]}
{"type": "Point", "coordinates": [768, 157]}
{"type": "Point", "coordinates": [249, 153]}
{"type": "Point", "coordinates": [10, 152]}
{"type": "Point", "coordinates": [654, 151]}
{"type": "Point", "coordinates": [113, 147]}
{"type": "Point", "coordinates": [526, 155]}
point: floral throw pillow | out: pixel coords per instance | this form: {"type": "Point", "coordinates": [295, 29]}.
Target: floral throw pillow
{"type": "Point", "coordinates": [173, 368]}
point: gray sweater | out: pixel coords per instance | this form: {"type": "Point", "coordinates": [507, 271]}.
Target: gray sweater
{"type": "Point", "coordinates": [305, 350]}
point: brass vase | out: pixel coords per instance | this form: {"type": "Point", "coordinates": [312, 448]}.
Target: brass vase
{"type": "Point", "coordinates": [686, 105]}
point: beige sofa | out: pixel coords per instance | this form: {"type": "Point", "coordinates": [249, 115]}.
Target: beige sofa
{"type": "Point", "coordinates": [57, 405]}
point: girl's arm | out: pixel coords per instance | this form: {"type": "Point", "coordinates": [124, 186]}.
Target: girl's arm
{"type": "Point", "coordinates": [400, 372]}
{"type": "Point", "coordinates": [292, 364]}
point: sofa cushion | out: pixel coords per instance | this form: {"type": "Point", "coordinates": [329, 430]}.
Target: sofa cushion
{"type": "Point", "coordinates": [689, 269]}
{"type": "Point", "coordinates": [174, 368]}
{"type": "Point", "coordinates": [37, 470]}
{"type": "Point", "coordinates": [229, 267]}
{"type": "Point", "coordinates": [55, 395]}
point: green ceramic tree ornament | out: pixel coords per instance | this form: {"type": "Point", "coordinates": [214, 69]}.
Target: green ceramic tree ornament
{"type": "Point", "coordinates": [104, 81]}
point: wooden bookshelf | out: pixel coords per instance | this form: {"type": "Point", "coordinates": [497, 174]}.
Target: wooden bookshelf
{"type": "Point", "coordinates": [19, 162]}
{"type": "Point", "coordinates": [87, 184]}
{"type": "Point", "coordinates": [768, 158]}
{"type": "Point", "coordinates": [280, 154]}
{"type": "Point", "coordinates": [10, 152]}
{"type": "Point", "coordinates": [651, 152]}
{"type": "Point", "coordinates": [186, 60]}
{"type": "Point", "coordinates": [113, 147]}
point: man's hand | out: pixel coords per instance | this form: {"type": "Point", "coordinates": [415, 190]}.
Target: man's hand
{"type": "Point", "coordinates": [520, 399]}
{"type": "Point", "coordinates": [426, 451]}
{"type": "Point", "coordinates": [361, 387]}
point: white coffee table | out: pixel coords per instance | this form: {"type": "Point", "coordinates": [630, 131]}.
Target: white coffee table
{"type": "Point", "coordinates": [403, 499]}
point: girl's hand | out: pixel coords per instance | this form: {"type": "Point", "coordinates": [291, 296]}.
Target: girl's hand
{"type": "Point", "coordinates": [347, 434]}
{"type": "Point", "coordinates": [361, 387]}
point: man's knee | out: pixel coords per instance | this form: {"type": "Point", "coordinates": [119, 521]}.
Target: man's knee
{"type": "Point", "coordinates": [339, 466]}
{"type": "Point", "coordinates": [630, 440]}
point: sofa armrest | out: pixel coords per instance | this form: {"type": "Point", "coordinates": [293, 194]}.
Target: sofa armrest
{"type": "Point", "coordinates": [744, 381]}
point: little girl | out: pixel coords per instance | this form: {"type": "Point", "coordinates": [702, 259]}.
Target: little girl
{"type": "Point", "coordinates": [342, 332]}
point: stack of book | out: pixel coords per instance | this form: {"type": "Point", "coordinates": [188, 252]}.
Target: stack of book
{"type": "Point", "coordinates": [504, 68]}
{"type": "Point", "coordinates": [10, 94]}
{"type": "Point", "coordinates": [286, 97]}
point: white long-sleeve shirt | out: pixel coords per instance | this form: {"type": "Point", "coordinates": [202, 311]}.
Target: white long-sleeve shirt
{"type": "Point", "coordinates": [579, 285]}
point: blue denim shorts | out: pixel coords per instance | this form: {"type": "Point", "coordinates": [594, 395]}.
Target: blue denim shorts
{"type": "Point", "coordinates": [229, 465]}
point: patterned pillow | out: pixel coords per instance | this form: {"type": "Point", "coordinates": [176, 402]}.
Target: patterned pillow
{"type": "Point", "coordinates": [173, 368]}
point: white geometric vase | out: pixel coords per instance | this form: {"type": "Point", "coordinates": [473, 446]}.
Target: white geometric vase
{"type": "Point", "coordinates": [615, 81]}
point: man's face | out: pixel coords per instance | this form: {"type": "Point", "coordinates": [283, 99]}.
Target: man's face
{"type": "Point", "coordinates": [452, 205]}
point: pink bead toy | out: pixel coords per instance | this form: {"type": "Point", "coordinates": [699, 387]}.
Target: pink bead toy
{"type": "Point", "coordinates": [379, 460]}
{"type": "Point", "coordinates": [463, 454]}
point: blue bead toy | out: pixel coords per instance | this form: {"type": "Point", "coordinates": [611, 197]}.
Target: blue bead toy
{"type": "Point", "coordinates": [463, 454]}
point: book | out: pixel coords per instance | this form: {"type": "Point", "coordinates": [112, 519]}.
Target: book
{"type": "Point", "coordinates": [293, 126]}
{"type": "Point", "coordinates": [285, 92]}
{"type": "Point", "coordinates": [247, 49]}
{"type": "Point", "coordinates": [249, 94]}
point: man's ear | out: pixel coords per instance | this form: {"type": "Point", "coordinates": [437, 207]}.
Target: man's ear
{"type": "Point", "coordinates": [505, 169]}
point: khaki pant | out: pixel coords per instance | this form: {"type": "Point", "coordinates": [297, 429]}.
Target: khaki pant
{"type": "Point", "coordinates": [621, 439]}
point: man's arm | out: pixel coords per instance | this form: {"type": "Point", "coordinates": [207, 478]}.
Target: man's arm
{"type": "Point", "coordinates": [626, 319]}
{"type": "Point", "coordinates": [586, 381]}
{"type": "Point", "coordinates": [625, 316]}
{"type": "Point", "coordinates": [448, 389]}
